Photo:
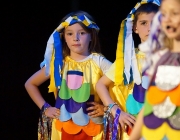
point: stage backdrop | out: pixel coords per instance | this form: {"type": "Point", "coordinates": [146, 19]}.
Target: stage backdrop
{"type": "Point", "coordinates": [25, 29]}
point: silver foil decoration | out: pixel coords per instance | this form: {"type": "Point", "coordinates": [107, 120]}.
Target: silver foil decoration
{"type": "Point", "coordinates": [167, 77]}
{"type": "Point", "coordinates": [175, 120]}
{"type": "Point", "coordinates": [164, 109]}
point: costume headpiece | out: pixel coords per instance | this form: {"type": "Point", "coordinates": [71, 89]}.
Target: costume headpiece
{"type": "Point", "coordinates": [54, 46]}
{"type": "Point", "coordinates": [126, 64]}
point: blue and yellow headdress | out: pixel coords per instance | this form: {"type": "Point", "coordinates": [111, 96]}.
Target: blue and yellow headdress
{"type": "Point", "coordinates": [126, 63]}
{"type": "Point", "coordinates": [53, 55]}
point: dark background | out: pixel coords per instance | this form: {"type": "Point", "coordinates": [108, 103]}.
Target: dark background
{"type": "Point", "coordinates": [25, 28]}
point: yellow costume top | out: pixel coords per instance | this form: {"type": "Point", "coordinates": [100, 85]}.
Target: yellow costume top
{"type": "Point", "coordinates": [121, 93]}
{"type": "Point", "coordinates": [77, 88]}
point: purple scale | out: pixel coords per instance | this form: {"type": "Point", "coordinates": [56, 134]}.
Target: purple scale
{"type": "Point", "coordinates": [73, 106]}
{"type": "Point", "coordinates": [153, 122]}
{"type": "Point", "coordinates": [139, 93]}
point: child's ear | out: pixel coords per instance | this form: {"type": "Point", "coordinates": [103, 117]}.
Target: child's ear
{"type": "Point", "coordinates": [135, 29]}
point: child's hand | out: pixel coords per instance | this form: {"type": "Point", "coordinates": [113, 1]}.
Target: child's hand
{"type": "Point", "coordinates": [96, 109]}
{"type": "Point", "coordinates": [126, 120]}
{"type": "Point", "coordinates": [52, 112]}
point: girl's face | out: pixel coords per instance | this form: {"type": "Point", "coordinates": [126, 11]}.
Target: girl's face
{"type": "Point", "coordinates": [143, 24]}
{"type": "Point", "coordinates": [77, 39]}
{"type": "Point", "coordinates": [170, 19]}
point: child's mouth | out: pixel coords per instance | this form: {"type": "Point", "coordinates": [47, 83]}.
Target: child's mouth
{"type": "Point", "coordinates": [170, 28]}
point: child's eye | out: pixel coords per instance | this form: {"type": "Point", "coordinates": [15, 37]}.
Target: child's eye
{"type": "Point", "coordinates": [69, 34]}
{"type": "Point", "coordinates": [82, 33]}
{"type": "Point", "coordinates": [175, 13]}
{"type": "Point", "coordinates": [163, 15]}
{"type": "Point", "coordinates": [144, 23]}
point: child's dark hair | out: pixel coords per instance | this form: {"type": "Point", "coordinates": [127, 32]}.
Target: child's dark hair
{"type": "Point", "coordinates": [145, 8]}
{"type": "Point", "coordinates": [94, 45]}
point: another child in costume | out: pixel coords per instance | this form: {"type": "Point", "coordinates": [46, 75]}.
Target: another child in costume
{"type": "Point", "coordinates": [160, 116]}
{"type": "Point", "coordinates": [74, 64]}
{"type": "Point", "coordinates": [126, 70]}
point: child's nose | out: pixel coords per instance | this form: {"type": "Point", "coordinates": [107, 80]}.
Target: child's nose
{"type": "Point", "coordinates": [76, 37]}
{"type": "Point", "coordinates": [149, 27]}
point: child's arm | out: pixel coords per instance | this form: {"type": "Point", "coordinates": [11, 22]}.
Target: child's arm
{"type": "Point", "coordinates": [102, 90]}
{"type": "Point", "coordinates": [31, 86]}
{"type": "Point", "coordinates": [136, 131]}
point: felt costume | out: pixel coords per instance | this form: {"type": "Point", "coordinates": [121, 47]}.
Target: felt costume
{"type": "Point", "coordinates": [75, 83]}
{"type": "Point", "coordinates": [161, 119]}
{"type": "Point", "coordinates": [126, 71]}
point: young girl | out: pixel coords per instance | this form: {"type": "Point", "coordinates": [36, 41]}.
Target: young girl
{"type": "Point", "coordinates": [126, 71]}
{"type": "Point", "coordinates": [160, 116]}
{"type": "Point", "coordinates": [73, 66]}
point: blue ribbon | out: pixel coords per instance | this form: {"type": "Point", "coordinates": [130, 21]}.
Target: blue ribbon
{"type": "Point", "coordinates": [116, 122]}
{"type": "Point", "coordinates": [58, 61]}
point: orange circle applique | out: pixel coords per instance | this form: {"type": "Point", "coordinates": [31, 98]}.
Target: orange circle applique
{"type": "Point", "coordinates": [156, 96]}
{"type": "Point", "coordinates": [91, 129]}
